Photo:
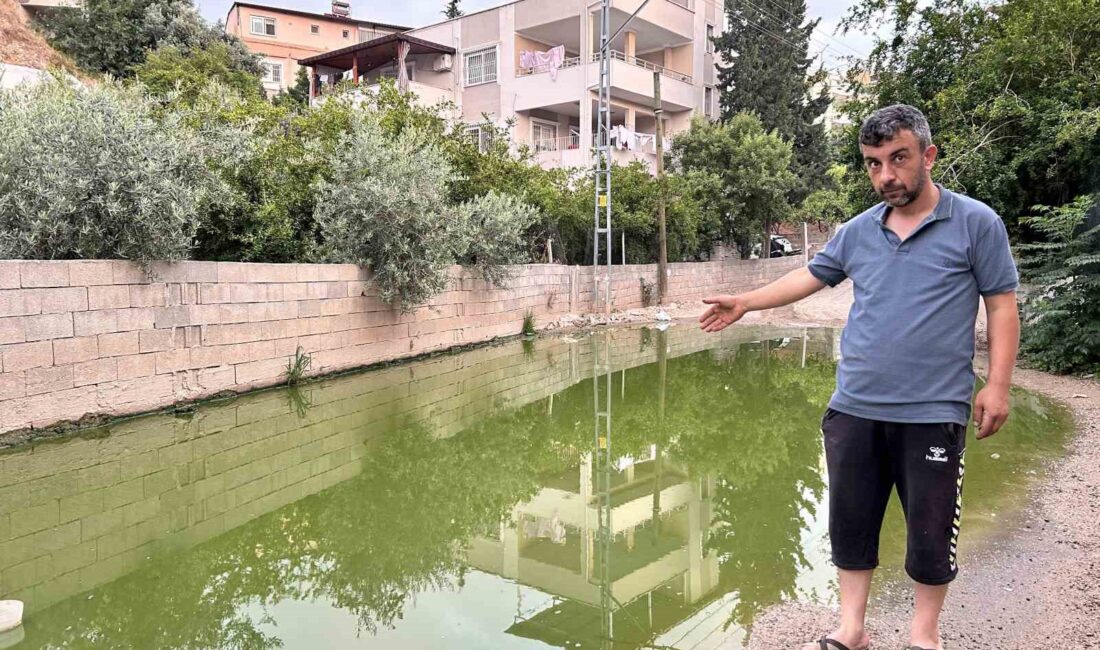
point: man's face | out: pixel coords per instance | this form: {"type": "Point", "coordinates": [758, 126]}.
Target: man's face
{"type": "Point", "coordinates": [899, 168]}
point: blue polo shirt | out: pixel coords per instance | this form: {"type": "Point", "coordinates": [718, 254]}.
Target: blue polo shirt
{"type": "Point", "coordinates": [907, 351]}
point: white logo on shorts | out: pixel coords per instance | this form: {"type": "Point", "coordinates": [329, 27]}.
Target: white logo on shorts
{"type": "Point", "coordinates": [937, 455]}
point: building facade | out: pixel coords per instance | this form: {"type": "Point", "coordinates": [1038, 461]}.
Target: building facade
{"type": "Point", "coordinates": [533, 64]}
{"type": "Point", "coordinates": [283, 36]}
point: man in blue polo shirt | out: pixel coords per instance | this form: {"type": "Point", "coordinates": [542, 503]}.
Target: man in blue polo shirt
{"type": "Point", "coordinates": [919, 262]}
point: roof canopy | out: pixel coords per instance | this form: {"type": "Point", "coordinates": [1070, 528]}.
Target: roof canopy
{"type": "Point", "coordinates": [374, 53]}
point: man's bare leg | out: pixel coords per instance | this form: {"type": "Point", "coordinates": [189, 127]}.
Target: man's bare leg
{"type": "Point", "coordinates": [855, 587]}
{"type": "Point", "coordinates": [925, 630]}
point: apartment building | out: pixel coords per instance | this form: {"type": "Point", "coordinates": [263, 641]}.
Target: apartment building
{"type": "Point", "coordinates": [535, 63]}
{"type": "Point", "coordinates": [283, 36]}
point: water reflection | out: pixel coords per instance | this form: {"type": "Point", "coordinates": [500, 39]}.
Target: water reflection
{"type": "Point", "coordinates": [630, 489]}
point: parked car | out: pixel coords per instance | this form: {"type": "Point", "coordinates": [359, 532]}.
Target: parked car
{"type": "Point", "coordinates": [780, 247]}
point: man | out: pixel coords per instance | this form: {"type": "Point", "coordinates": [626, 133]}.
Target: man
{"type": "Point", "coordinates": [918, 262]}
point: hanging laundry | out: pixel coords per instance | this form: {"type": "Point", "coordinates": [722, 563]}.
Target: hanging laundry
{"type": "Point", "coordinates": [549, 61]}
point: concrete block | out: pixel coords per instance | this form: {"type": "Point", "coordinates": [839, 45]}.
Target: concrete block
{"type": "Point", "coordinates": [213, 293]}
{"type": "Point", "coordinates": [173, 361]}
{"type": "Point", "coordinates": [260, 371]}
{"type": "Point", "coordinates": [159, 340]}
{"type": "Point", "coordinates": [34, 519]}
{"type": "Point", "coordinates": [62, 299]}
{"type": "Point", "coordinates": [249, 272]}
{"type": "Point", "coordinates": [102, 321]}
{"type": "Point", "coordinates": [148, 295]}
{"type": "Point", "coordinates": [135, 366]}
{"type": "Point", "coordinates": [98, 371]}
{"type": "Point", "coordinates": [109, 297]}
{"type": "Point", "coordinates": [9, 274]}
{"type": "Point", "coordinates": [124, 273]}
{"type": "Point", "coordinates": [13, 330]}
{"type": "Point", "coordinates": [135, 319]}
{"type": "Point", "coordinates": [24, 356]}
{"type": "Point", "coordinates": [43, 274]}
{"type": "Point", "coordinates": [48, 380]}
{"type": "Point", "coordinates": [12, 385]}
{"type": "Point", "coordinates": [88, 273]}
{"type": "Point", "coordinates": [118, 344]}
{"type": "Point", "coordinates": [75, 350]}
{"type": "Point", "coordinates": [49, 326]}
{"type": "Point", "coordinates": [186, 271]}
{"type": "Point", "coordinates": [19, 302]}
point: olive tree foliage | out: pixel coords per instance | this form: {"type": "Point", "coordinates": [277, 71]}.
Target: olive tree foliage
{"type": "Point", "coordinates": [497, 225]}
{"type": "Point", "coordinates": [90, 173]}
{"type": "Point", "coordinates": [387, 206]}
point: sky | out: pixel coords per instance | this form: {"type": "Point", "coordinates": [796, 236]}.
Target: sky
{"type": "Point", "coordinates": [417, 13]}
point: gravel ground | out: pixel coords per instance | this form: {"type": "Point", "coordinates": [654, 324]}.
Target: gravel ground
{"type": "Point", "coordinates": [1035, 586]}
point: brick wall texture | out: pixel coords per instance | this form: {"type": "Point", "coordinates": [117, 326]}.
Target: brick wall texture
{"type": "Point", "coordinates": [104, 337]}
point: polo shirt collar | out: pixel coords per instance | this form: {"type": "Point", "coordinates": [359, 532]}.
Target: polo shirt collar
{"type": "Point", "coordinates": [941, 211]}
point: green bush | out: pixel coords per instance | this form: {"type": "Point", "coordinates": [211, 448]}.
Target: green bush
{"type": "Point", "coordinates": [496, 224]}
{"type": "Point", "coordinates": [89, 173]}
{"type": "Point", "coordinates": [1062, 311]}
{"type": "Point", "coordinates": [386, 208]}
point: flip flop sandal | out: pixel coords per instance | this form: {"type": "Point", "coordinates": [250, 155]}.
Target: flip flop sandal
{"type": "Point", "coordinates": [825, 643]}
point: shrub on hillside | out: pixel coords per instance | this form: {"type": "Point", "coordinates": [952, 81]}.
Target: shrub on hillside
{"type": "Point", "coordinates": [89, 173]}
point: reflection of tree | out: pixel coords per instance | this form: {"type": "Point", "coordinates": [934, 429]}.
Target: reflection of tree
{"type": "Point", "coordinates": [753, 422]}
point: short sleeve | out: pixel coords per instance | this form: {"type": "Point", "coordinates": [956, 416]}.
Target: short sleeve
{"type": "Point", "coordinates": [994, 268]}
{"type": "Point", "coordinates": [828, 264]}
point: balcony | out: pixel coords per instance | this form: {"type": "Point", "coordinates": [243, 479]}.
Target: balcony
{"type": "Point", "coordinates": [631, 78]}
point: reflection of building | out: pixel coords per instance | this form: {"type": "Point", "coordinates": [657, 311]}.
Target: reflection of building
{"type": "Point", "coordinates": [656, 559]}
{"type": "Point", "coordinates": [282, 36]}
{"type": "Point", "coordinates": [620, 539]}
{"type": "Point", "coordinates": [534, 62]}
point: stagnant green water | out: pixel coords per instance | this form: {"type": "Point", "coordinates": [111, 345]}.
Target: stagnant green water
{"type": "Point", "coordinates": [631, 488]}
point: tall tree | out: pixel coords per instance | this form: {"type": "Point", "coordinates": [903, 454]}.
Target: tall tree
{"type": "Point", "coordinates": [115, 36]}
{"type": "Point", "coordinates": [451, 11]}
{"type": "Point", "coordinates": [768, 73]}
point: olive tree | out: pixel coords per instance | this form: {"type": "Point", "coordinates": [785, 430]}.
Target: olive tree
{"type": "Point", "coordinates": [91, 173]}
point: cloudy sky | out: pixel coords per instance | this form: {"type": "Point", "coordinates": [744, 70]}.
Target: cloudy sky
{"type": "Point", "coordinates": [417, 13]}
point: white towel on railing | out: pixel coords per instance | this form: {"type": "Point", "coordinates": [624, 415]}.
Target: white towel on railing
{"type": "Point", "coordinates": [548, 61]}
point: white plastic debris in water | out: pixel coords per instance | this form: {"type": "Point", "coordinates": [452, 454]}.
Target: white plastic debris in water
{"type": "Point", "coordinates": [662, 315]}
{"type": "Point", "coordinates": [994, 456]}
{"type": "Point", "coordinates": [11, 614]}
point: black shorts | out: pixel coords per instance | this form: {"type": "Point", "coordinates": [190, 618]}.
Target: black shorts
{"type": "Point", "coordinates": [867, 459]}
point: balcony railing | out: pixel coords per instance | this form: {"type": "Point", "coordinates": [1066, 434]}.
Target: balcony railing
{"type": "Point", "coordinates": [642, 63]}
{"type": "Point", "coordinates": [571, 141]}
{"type": "Point", "coordinates": [570, 62]}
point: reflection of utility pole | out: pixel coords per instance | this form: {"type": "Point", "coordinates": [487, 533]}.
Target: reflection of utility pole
{"type": "Point", "coordinates": [601, 399]}
{"type": "Point", "coordinates": [662, 371]}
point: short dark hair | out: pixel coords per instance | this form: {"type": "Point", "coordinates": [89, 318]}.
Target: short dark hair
{"type": "Point", "coordinates": [885, 123]}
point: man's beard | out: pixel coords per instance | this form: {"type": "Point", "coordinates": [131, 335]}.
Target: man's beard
{"type": "Point", "coordinates": [906, 197]}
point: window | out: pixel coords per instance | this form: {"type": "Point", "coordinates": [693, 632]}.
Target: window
{"type": "Point", "coordinates": [708, 101]}
{"type": "Point", "coordinates": [480, 66]}
{"type": "Point", "coordinates": [346, 33]}
{"type": "Point", "coordinates": [273, 72]}
{"type": "Point", "coordinates": [479, 135]}
{"type": "Point", "coordinates": [314, 29]}
{"type": "Point", "coordinates": [544, 135]}
{"type": "Point", "coordinates": [263, 26]}
{"type": "Point", "coordinates": [710, 38]}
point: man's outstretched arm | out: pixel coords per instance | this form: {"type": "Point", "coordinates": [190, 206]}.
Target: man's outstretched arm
{"type": "Point", "coordinates": [725, 310]}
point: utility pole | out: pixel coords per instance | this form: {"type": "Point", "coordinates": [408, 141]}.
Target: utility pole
{"type": "Point", "coordinates": [602, 225]}
{"type": "Point", "coordinates": [603, 160]}
{"type": "Point", "coordinates": [662, 237]}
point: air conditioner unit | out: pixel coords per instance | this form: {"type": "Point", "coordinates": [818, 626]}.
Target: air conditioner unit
{"type": "Point", "coordinates": [341, 8]}
{"type": "Point", "coordinates": [442, 62]}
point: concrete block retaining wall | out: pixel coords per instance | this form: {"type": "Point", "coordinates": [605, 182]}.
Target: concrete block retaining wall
{"type": "Point", "coordinates": [101, 337]}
